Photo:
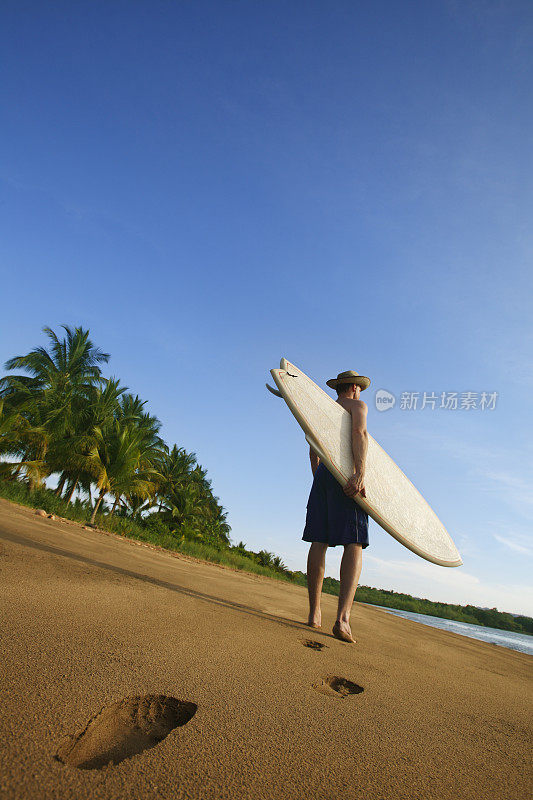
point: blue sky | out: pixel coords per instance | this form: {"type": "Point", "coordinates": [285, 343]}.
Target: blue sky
{"type": "Point", "coordinates": [211, 186]}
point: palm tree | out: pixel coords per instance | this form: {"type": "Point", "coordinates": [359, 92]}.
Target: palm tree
{"type": "Point", "coordinates": [185, 511]}
{"type": "Point", "coordinates": [70, 454]}
{"type": "Point", "coordinates": [24, 437]}
{"type": "Point", "coordinates": [116, 463]}
{"type": "Point", "coordinates": [174, 469]}
{"type": "Point", "coordinates": [71, 363]}
{"type": "Point", "coordinates": [151, 446]}
{"type": "Point", "coordinates": [186, 502]}
{"type": "Point", "coordinates": [60, 381]}
{"type": "Point", "coordinates": [11, 425]}
{"type": "Point", "coordinates": [63, 417]}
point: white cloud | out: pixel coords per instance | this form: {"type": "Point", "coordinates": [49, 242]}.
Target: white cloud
{"type": "Point", "coordinates": [513, 544]}
{"type": "Point", "coordinates": [449, 577]}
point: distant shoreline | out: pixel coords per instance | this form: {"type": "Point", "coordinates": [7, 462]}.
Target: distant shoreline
{"type": "Point", "coordinates": [511, 640]}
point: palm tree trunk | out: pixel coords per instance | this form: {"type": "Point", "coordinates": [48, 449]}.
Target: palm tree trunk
{"type": "Point", "coordinates": [69, 498]}
{"type": "Point", "coordinates": [60, 485]}
{"type": "Point", "coordinates": [117, 497]}
{"type": "Point", "coordinates": [97, 506]}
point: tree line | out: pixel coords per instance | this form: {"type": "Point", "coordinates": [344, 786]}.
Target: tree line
{"type": "Point", "coordinates": [59, 415]}
{"type": "Point", "coordinates": [488, 617]}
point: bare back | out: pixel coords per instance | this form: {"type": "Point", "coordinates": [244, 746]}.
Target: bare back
{"type": "Point", "coordinates": [358, 410]}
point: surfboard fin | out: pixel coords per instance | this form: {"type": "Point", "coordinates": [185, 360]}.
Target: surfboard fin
{"type": "Point", "coordinates": [274, 391]}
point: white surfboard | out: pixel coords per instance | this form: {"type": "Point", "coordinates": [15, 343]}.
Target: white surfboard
{"type": "Point", "coordinates": [391, 499]}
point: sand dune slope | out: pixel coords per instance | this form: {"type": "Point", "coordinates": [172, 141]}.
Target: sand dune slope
{"type": "Point", "coordinates": [198, 682]}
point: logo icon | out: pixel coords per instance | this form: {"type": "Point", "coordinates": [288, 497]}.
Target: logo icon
{"type": "Point", "coordinates": [384, 400]}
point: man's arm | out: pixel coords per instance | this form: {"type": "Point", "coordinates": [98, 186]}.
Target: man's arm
{"type": "Point", "coordinates": [315, 461]}
{"type": "Point", "coordinates": [356, 484]}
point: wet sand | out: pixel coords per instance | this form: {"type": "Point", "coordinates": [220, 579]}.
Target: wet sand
{"type": "Point", "coordinates": [219, 661]}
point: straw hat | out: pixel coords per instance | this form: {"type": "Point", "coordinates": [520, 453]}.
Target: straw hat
{"type": "Point", "coordinates": [349, 377]}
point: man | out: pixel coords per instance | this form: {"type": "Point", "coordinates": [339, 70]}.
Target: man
{"type": "Point", "coordinates": [333, 516]}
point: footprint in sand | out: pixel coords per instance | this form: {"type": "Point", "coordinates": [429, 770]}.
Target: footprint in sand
{"type": "Point", "coordinates": [314, 645]}
{"type": "Point", "coordinates": [124, 729]}
{"type": "Point", "coordinates": [334, 686]}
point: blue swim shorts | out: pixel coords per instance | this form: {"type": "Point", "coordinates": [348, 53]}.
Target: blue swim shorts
{"type": "Point", "coordinates": [332, 517]}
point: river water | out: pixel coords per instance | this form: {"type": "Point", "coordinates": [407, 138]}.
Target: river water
{"type": "Point", "coordinates": [514, 641]}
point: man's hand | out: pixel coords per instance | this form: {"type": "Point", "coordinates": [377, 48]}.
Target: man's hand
{"type": "Point", "coordinates": [356, 485]}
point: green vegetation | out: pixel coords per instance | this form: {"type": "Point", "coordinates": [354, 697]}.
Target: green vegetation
{"type": "Point", "coordinates": [62, 417]}
{"type": "Point", "coordinates": [491, 617]}
{"type": "Point", "coordinates": [65, 418]}
{"type": "Point", "coordinates": [151, 531]}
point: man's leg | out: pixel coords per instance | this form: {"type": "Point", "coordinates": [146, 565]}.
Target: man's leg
{"type": "Point", "coordinates": [316, 562]}
{"type": "Point", "coordinates": [352, 561]}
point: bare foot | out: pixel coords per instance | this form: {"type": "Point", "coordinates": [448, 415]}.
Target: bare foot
{"type": "Point", "coordinates": [342, 631]}
{"type": "Point", "coordinates": [314, 621]}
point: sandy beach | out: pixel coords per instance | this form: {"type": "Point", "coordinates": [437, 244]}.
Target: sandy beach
{"type": "Point", "coordinates": [220, 660]}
